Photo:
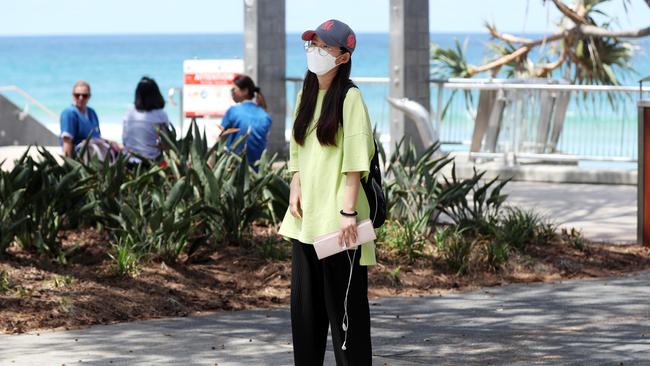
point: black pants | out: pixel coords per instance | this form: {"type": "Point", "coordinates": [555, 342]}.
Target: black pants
{"type": "Point", "coordinates": [317, 296]}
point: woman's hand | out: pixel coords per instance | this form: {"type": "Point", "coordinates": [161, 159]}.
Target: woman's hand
{"type": "Point", "coordinates": [348, 233]}
{"type": "Point", "coordinates": [295, 197]}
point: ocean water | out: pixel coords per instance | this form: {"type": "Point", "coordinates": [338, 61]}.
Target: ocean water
{"type": "Point", "coordinates": [46, 67]}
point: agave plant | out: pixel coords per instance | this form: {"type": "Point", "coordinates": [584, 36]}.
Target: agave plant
{"type": "Point", "coordinates": [482, 212]}
{"type": "Point", "coordinates": [54, 198]}
{"type": "Point", "coordinates": [455, 248]}
{"type": "Point", "coordinates": [106, 179]}
{"type": "Point", "coordinates": [11, 208]}
{"type": "Point", "coordinates": [234, 194]}
{"type": "Point", "coordinates": [413, 182]}
{"type": "Point", "coordinates": [276, 191]}
{"type": "Point", "coordinates": [158, 218]}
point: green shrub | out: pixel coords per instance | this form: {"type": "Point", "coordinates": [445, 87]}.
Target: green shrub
{"type": "Point", "coordinates": [406, 238]}
{"type": "Point", "coordinates": [412, 184]}
{"type": "Point", "coordinates": [394, 275]}
{"type": "Point", "coordinates": [125, 256]}
{"type": "Point", "coordinates": [54, 199]}
{"type": "Point", "coordinates": [479, 215]}
{"type": "Point", "coordinates": [62, 281]}
{"type": "Point", "coordinates": [272, 247]}
{"type": "Point", "coordinates": [5, 284]}
{"type": "Point", "coordinates": [232, 194]}
{"type": "Point", "coordinates": [455, 248]}
{"type": "Point", "coordinates": [496, 254]}
{"type": "Point", "coordinates": [276, 191]}
{"type": "Point", "coordinates": [10, 218]}
{"type": "Point", "coordinates": [574, 238]}
{"type": "Point", "coordinates": [160, 222]}
{"type": "Point", "coordinates": [519, 227]}
{"type": "Point", "coordinates": [546, 232]}
{"type": "Point", "coordinates": [105, 182]}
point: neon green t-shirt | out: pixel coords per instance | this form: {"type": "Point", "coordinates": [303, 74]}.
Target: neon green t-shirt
{"type": "Point", "coordinates": [322, 174]}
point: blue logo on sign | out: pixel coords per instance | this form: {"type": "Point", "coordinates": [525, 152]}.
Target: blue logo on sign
{"type": "Point", "coordinates": [204, 94]}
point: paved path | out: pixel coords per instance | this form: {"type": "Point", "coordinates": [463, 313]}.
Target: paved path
{"type": "Point", "coordinates": [590, 322]}
{"type": "Point", "coordinates": [596, 322]}
{"type": "Point", "coordinates": [603, 212]}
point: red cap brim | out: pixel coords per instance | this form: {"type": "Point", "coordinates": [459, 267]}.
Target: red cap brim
{"type": "Point", "coordinates": [308, 35]}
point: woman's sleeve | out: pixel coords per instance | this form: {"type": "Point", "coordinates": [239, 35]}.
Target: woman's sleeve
{"type": "Point", "coordinates": [68, 125]}
{"type": "Point", "coordinates": [225, 121]}
{"type": "Point", "coordinates": [125, 131]}
{"type": "Point", "coordinates": [358, 141]}
{"type": "Point", "coordinates": [293, 156]}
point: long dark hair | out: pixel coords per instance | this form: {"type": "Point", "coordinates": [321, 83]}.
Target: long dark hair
{"type": "Point", "coordinates": [332, 111]}
{"type": "Point", "coordinates": [147, 95]}
{"type": "Point", "coordinates": [245, 82]}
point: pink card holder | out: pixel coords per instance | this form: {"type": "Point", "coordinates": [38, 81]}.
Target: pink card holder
{"type": "Point", "coordinates": [327, 244]}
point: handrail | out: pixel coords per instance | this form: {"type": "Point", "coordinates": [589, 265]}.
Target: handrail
{"type": "Point", "coordinates": [553, 87]}
{"type": "Point", "coordinates": [30, 99]}
{"type": "Point", "coordinates": [488, 84]}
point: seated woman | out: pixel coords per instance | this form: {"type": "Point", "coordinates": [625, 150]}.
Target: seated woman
{"type": "Point", "coordinates": [142, 123]}
{"type": "Point", "coordinates": [249, 116]}
{"type": "Point", "coordinates": [80, 128]}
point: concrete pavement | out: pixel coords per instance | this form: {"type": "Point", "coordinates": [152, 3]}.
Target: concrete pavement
{"type": "Point", "coordinates": [593, 322]}
{"type": "Point", "coordinates": [588, 322]}
{"type": "Point", "coordinates": [602, 212]}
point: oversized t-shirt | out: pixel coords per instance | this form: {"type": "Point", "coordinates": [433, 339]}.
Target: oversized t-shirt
{"type": "Point", "coordinates": [322, 173]}
{"type": "Point", "coordinates": [140, 132]}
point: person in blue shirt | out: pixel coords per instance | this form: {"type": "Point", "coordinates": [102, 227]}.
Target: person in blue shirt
{"type": "Point", "coordinates": [78, 121]}
{"type": "Point", "coordinates": [249, 116]}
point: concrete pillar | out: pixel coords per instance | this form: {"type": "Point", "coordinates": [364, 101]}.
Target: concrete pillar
{"type": "Point", "coordinates": [264, 61]}
{"type": "Point", "coordinates": [409, 62]}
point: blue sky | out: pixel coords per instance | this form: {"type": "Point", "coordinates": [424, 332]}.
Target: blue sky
{"type": "Point", "coordinates": [48, 17]}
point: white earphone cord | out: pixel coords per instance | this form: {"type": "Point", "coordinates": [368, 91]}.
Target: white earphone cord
{"type": "Point", "coordinates": [346, 320]}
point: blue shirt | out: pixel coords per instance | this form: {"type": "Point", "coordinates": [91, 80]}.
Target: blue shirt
{"type": "Point", "coordinates": [78, 126]}
{"type": "Point", "coordinates": [140, 132]}
{"type": "Point", "coordinates": [248, 115]}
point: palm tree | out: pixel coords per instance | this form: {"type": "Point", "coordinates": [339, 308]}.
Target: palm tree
{"type": "Point", "coordinates": [582, 50]}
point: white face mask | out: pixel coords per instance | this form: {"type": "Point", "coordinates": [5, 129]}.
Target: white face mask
{"type": "Point", "coordinates": [319, 64]}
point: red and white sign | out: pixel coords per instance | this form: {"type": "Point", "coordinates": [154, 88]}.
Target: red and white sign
{"type": "Point", "coordinates": [206, 86]}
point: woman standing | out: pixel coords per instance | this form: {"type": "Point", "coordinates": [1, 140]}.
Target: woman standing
{"type": "Point", "coordinates": [142, 123]}
{"type": "Point", "coordinates": [249, 116]}
{"type": "Point", "coordinates": [330, 151]}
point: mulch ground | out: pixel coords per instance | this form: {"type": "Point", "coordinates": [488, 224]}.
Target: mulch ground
{"type": "Point", "coordinates": [38, 293]}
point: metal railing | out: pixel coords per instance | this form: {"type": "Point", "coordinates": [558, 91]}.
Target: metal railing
{"type": "Point", "coordinates": [30, 100]}
{"type": "Point", "coordinates": [600, 121]}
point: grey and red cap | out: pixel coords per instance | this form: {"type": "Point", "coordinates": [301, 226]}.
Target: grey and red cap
{"type": "Point", "coordinates": [334, 33]}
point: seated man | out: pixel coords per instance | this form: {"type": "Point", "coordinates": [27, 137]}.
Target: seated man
{"type": "Point", "coordinates": [78, 121]}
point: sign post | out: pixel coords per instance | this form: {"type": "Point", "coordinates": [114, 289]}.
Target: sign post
{"type": "Point", "coordinates": [206, 93]}
{"type": "Point", "coordinates": [643, 180]}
